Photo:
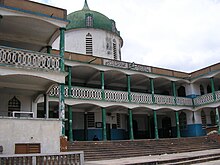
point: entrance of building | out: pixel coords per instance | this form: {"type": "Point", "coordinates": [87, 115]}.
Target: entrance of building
{"type": "Point", "coordinates": [166, 126]}
{"type": "Point", "coordinates": [108, 131]}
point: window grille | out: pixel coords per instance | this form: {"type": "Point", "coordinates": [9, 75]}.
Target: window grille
{"type": "Point", "coordinates": [114, 50]}
{"type": "Point", "coordinates": [89, 21]}
{"type": "Point", "coordinates": [118, 120]}
{"type": "Point", "coordinates": [91, 120]}
{"type": "Point", "coordinates": [89, 44]}
{"type": "Point", "coordinates": [13, 105]}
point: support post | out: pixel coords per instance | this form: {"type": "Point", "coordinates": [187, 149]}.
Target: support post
{"type": "Point", "coordinates": [217, 120]}
{"type": "Point", "coordinates": [155, 125]}
{"type": "Point", "coordinates": [61, 94]}
{"type": "Point", "coordinates": [103, 84]}
{"type": "Point", "coordinates": [62, 48]}
{"type": "Point", "coordinates": [152, 89]}
{"type": "Point", "coordinates": [46, 106]}
{"type": "Point", "coordinates": [104, 133]}
{"type": "Point", "coordinates": [177, 124]}
{"type": "Point", "coordinates": [49, 48]}
{"type": "Point", "coordinates": [131, 133]}
{"type": "Point", "coordinates": [174, 91]}
{"type": "Point", "coordinates": [213, 88]}
{"type": "Point", "coordinates": [129, 87]}
{"type": "Point", "coordinates": [70, 112]}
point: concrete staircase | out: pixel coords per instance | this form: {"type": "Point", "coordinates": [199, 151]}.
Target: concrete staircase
{"type": "Point", "coordinates": [98, 150]}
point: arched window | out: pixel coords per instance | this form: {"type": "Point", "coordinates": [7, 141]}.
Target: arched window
{"type": "Point", "coordinates": [209, 89]}
{"type": "Point", "coordinates": [13, 105]}
{"type": "Point", "coordinates": [181, 91]}
{"type": "Point", "coordinates": [202, 90]}
{"type": "Point", "coordinates": [212, 116]}
{"type": "Point", "coordinates": [203, 117]}
{"type": "Point", "coordinates": [114, 50]}
{"type": "Point", "coordinates": [89, 44]}
{"type": "Point", "coordinates": [182, 120]}
{"type": "Point", "coordinates": [89, 20]}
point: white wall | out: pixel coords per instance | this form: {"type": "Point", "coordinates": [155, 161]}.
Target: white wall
{"type": "Point", "coordinates": [45, 132]}
{"type": "Point", "coordinates": [75, 42]}
{"type": "Point", "coordinates": [26, 102]}
{"type": "Point", "coordinates": [192, 89]}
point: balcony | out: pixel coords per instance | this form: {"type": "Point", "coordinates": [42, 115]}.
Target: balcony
{"type": "Point", "coordinates": [121, 96]}
{"type": "Point", "coordinates": [19, 58]}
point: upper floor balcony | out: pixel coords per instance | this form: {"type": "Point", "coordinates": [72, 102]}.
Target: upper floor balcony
{"type": "Point", "coordinates": [19, 58]}
{"type": "Point", "coordinates": [94, 94]}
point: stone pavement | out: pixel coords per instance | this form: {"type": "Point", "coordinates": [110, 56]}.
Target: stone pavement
{"type": "Point", "coordinates": [153, 158]}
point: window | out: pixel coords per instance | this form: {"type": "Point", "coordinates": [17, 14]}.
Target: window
{"type": "Point", "coordinates": [113, 26]}
{"type": "Point", "coordinates": [30, 148]}
{"type": "Point", "coordinates": [202, 90]}
{"type": "Point", "coordinates": [91, 120]}
{"type": "Point", "coordinates": [13, 105]}
{"type": "Point", "coordinates": [114, 50]}
{"type": "Point", "coordinates": [89, 44]}
{"type": "Point", "coordinates": [203, 116]}
{"type": "Point", "coordinates": [212, 116]}
{"type": "Point", "coordinates": [89, 20]}
{"type": "Point", "coordinates": [182, 120]}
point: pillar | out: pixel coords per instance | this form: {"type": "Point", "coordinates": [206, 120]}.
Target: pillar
{"type": "Point", "coordinates": [104, 132]}
{"type": "Point", "coordinates": [217, 120]}
{"type": "Point", "coordinates": [49, 48]}
{"type": "Point", "coordinates": [177, 124]}
{"type": "Point", "coordinates": [213, 88]}
{"type": "Point", "coordinates": [155, 125]}
{"type": "Point", "coordinates": [129, 87]}
{"type": "Point", "coordinates": [70, 112]}
{"type": "Point", "coordinates": [174, 90]}
{"type": "Point", "coordinates": [131, 133]}
{"type": "Point", "coordinates": [46, 106]}
{"type": "Point", "coordinates": [152, 89]}
{"type": "Point", "coordinates": [103, 84]}
{"type": "Point", "coordinates": [61, 94]}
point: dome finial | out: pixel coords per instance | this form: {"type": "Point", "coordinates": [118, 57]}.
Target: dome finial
{"type": "Point", "coordinates": [86, 7]}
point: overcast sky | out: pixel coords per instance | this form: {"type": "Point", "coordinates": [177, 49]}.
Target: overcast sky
{"type": "Point", "coordinates": [174, 34]}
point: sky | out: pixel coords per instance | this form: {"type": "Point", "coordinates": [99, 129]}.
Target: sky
{"type": "Point", "coordinates": [182, 35]}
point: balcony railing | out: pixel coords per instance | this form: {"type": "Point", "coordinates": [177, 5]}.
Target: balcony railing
{"type": "Point", "coordinates": [121, 96]}
{"type": "Point", "coordinates": [28, 59]}
{"type": "Point", "coordinates": [65, 158]}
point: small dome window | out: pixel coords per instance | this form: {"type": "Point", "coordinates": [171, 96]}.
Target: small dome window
{"type": "Point", "coordinates": [89, 20]}
{"type": "Point", "coordinates": [114, 50]}
{"type": "Point", "coordinates": [113, 26]}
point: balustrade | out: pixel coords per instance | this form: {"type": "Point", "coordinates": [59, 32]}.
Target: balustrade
{"type": "Point", "coordinates": [74, 158]}
{"type": "Point", "coordinates": [29, 59]}
{"type": "Point", "coordinates": [204, 99]}
{"type": "Point", "coordinates": [141, 98]}
{"type": "Point", "coordinates": [184, 101]}
{"type": "Point", "coordinates": [117, 96]}
{"type": "Point", "coordinates": [161, 99]}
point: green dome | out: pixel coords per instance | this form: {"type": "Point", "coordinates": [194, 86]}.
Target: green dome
{"type": "Point", "coordinates": [99, 21]}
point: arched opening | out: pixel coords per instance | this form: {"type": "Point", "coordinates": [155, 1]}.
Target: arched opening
{"type": "Point", "coordinates": [181, 91]}
{"type": "Point", "coordinates": [201, 90]}
{"type": "Point", "coordinates": [89, 20]}
{"type": "Point", "coordinates": [209, 89]}
{"type": "Point", "coordinates": [203, 117]}
{"type": "Point", "coordinates": [89, 49]}
{"type": "Point", "coordinates": [114, 49]}
{"type": "Point", "coordinates": [182, 120]}
{"type": "Point", "coordinates": [212, 116]}
{"type": "Point", "coordinates": [166, 126]}
{"type": "Point", "coordinates": [13, 105]}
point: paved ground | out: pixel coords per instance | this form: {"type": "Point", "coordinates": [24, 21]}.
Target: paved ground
{"type": "Point", "coordinates": [217, 162]}
{"type": "Point", "coordinates": [145, 159]}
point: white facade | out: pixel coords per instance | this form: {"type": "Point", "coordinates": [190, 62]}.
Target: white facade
{"type": "Point", "coordinates": [102, 42]}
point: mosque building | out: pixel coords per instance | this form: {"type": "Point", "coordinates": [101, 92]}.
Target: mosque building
{"type": "Point", "coordinates": [63, 75]}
